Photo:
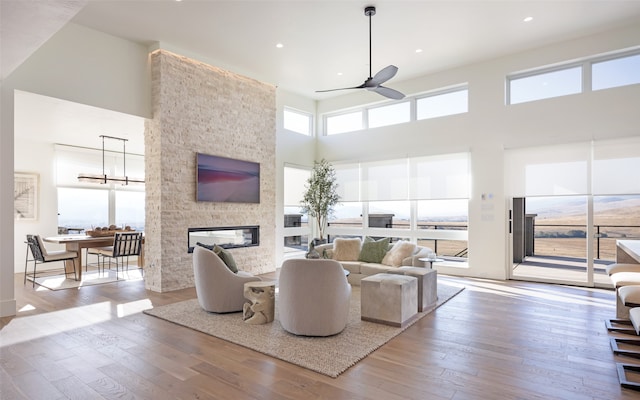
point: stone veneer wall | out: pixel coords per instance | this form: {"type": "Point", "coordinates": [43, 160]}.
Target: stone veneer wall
{"type": "Point", "coordinates": [198, 108]}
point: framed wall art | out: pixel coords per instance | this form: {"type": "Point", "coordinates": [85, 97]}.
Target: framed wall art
{"type": "Point", "coordinates": [25, 196]}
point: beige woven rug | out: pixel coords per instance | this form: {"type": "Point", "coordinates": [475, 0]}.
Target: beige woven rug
{"type": "Point", "coordinates": [327, 355]}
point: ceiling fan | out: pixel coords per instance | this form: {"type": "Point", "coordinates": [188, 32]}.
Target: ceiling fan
{"type": "Point", "coordinates": [374, 83]}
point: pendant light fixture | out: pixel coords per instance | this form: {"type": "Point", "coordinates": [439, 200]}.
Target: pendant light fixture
{"type": "Point", "coordinates": [104, 178]}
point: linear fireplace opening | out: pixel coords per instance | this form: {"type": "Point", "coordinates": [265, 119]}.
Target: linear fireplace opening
{"type": "Point", "coordinates": [227, 237]}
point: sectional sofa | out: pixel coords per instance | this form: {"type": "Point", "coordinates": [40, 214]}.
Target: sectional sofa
{"type": "Point", "coordinates": [370, 257]}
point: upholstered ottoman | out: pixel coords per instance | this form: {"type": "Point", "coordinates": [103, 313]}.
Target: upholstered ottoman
{"type": "Point", "coordinates": [427, 284]}
{"type": "Point", "coordinates": [388, 299]}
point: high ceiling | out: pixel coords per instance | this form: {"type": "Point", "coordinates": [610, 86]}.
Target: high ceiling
{"type": "Point", "coordinates": [323, 38]}
{"type": "Point", "coordinates": [320, 40]}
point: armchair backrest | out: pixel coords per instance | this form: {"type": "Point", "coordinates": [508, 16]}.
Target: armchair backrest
{"type": "Point", "coordinates": [127, 244]}
{"type": "Point", "coordinates": [218, 289]}
{"type": "Point", "coordinates": [314, 297]}
{"type": "Point", "coordinates": [37, 247]}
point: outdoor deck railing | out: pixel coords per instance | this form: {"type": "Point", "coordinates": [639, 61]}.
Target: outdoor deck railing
{"type": "Point", "coordinates": [460, 252]}
{"type": "Point", "coordinates": [565, 231]}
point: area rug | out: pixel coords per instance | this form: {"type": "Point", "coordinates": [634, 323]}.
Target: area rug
{"type": "Point", "coordinates": [327, 355]}
{"type": "Point", "coordinates": [90, 278]}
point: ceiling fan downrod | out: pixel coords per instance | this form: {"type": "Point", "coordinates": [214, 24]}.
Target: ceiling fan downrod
{"type": "Point", "coordinates": [369, 12]}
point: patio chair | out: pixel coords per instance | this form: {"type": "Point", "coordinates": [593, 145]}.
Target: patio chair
{"type": "Point", "coordinates": [125, 244]}
{"type": "Point", "coordinates": [41, 255]}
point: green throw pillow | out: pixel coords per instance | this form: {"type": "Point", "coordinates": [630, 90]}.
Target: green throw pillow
{"type": "Point", "coordinates": [373, 251]}
{"type": "Point", "coordinates": [226, 257]}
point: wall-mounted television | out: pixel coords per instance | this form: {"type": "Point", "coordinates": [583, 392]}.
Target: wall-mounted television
{"type": "Point", "coordinates": [221, 179]}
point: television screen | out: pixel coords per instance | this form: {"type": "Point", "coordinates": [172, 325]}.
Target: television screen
{"type": "Point", "coordinates": [221, 179]}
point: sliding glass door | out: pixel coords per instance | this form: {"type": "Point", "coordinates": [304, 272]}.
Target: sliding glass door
{"type": "Point", "coordinates": [570, 205]}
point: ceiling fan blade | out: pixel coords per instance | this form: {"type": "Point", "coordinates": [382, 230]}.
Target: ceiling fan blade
{"type": "Point", "coordinates": [388, 92]}
{"type": "Point", "coordinates": [346, 88]}
{"type": "Point", "coordinates": [384, 75]}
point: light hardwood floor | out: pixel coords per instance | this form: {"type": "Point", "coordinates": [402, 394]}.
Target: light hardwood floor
{"type": "Point", "coordinates": [495, 340]}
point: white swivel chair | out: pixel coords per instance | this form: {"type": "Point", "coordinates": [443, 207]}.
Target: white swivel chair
{"type": "Point", "coordinates": [314, 297]}
{"type": "Point", "coordinates": [218, 289]}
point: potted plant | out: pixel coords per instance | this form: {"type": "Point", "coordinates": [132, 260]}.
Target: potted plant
{"type": "Point", "coordinates": [320, 196]}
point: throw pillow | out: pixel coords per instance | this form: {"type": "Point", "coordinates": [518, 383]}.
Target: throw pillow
{"type": "Point", "coordinates": [401, 250]}
{"type": "Point", "coordinates": [206, 246]}
{"type": "Point", "coordinates": [345, 249]}
{"type": "Point", "coordinates": [226, 257]}
{"type": "Point", "coordinates": [373, 251]}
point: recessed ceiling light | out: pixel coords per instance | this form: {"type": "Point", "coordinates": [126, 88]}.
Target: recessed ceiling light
{"type": "Point", "coordinates": [527, 19]}
{"type": "Point", "coordinates": [279, 45]}
{"type": "Point", "coordinates": [339, 73]}
{"type": "Point", "coordinates": [418, 50]}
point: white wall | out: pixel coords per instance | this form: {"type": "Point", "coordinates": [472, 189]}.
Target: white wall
{"type": "Point", "coordinates": [491, 126]}
{"type": "Point", "coordinates": [37, 157]}
{"type": "Point", "coordinates": [79, 65]}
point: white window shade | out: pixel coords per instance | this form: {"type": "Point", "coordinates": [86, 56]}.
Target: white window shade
{"type": "Point", "coordinates": [348, 180]}
{"type": "Point", "coordinates": [385, 180]}
{"type": "Point", "coordinates": [615, 167]}
{"type": "Point", "coordinates": [440, 177]}
{"type": "Point", "coordinates": [548, 171]}
{"type": "Point", "coordinates": [295, 179]}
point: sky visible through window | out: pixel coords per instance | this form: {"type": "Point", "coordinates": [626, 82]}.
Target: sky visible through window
{"type": "Point", "coordinates": [89, 208]}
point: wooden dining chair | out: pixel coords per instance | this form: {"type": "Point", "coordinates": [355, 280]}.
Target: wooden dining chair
{"type": "Point", "coordinates": [125, 244]}
{"type": "Point", "coordinates": [41, 255]}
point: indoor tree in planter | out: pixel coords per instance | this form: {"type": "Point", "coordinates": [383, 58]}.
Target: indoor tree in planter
{"type": "Point", "coordinates": [321, 195]}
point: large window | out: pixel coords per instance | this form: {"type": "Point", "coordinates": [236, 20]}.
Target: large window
{"type": "Point", "coordinates": [347, 214]}
{"type": "Point", "coordinates": [545, 85]}
{"type": "Point", "coordinates": [390, 214]}
{"type": "Point", "coordinates": [617, 72]}
{"type": "Point", "coordinates": [80, 208]}
{"type": "Point", "coordinates": [423, 199]}
{"type": "Point", "coordinates": [130, 209]}
{"type": "Point", "coordinates": [88, 205]}
{"type": "Point", "coordinates": [296, 223]}
{"type": "Point", "coordinates": [342, 123]}
{"type": "Point", "coordinates": [595, 73]}
{"type": "Point", "coordinates": [442, 104]}
{"type": "Point", "coordinates": [392, 114]}
{"type": "Point", "coordinates": [579, 199]}
{"type": "Point", "coordinates": [297, 121]}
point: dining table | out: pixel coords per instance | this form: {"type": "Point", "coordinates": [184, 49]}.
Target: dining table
{"type": "Point", "coordinates": [78, 242]}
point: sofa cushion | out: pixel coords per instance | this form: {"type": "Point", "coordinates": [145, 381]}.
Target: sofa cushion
{"type": "Point", "coordinates": [373, 268]}
{"type": "Point", "coordinates": [351, 266]}
{"type": "Point", "coordinates": [400, 250]}
{"type": "Point", "coordinates": [373, 251]}
{"type": "Point", "coordinates": [346, 249]}
{"type": "Point", "coordinates": [206, 246]}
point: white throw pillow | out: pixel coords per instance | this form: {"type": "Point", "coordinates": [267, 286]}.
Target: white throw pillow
{"type": "Point", "coordinates": [346, 249]}
{"type": "Point", "coordinates": [400, 250]}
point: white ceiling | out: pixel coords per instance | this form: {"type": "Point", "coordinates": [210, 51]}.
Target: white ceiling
{"type": "Point", "coordinates": [320, 38]}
